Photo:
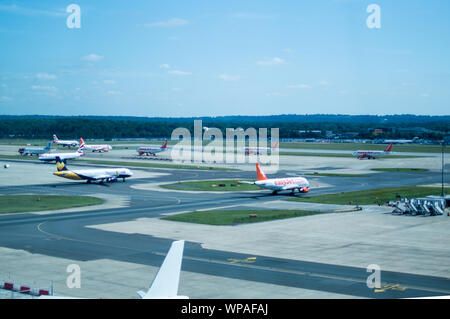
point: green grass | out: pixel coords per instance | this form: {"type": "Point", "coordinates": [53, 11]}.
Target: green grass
{"type": "Point", "coordinates": [154, 165]}
{"type": "Point", "coordinates": [235, 217]}
{"type": "Point", "coordinates": [337, 175]}
{"type": "Point", "coordinates": [370, 197]}
{"type": "Point", "coordinates": [403, 170]}
{"type": "Point", "coordinates": [347, 155]}
{"type": "Point", "coordinates": [18, 157]}
{"type": "Point", "coordinates": [33, 203]}
{"type": "Point", "coordinates": [126, 164]}
{"type": "Point", "coordinates": [413, 148]}
{"type": "Point", "coordinates": [211, 186]}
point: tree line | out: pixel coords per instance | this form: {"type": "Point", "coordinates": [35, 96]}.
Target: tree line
{"type": "Point", "coordinates": [294, 126]}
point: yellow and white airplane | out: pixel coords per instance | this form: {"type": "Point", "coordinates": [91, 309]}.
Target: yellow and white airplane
{"type": "Point", "coordinates": [89, 175]}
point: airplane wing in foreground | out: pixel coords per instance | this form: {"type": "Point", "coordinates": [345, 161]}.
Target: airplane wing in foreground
{"type": "Point", "coordinates": [165, 284]}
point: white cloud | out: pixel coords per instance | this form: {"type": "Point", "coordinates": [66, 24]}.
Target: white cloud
{"type": "Point", "coordinates": [109, 81]}
{"type": "Point", "coordinates": [228, 77]}
{"type": "Point", "coordinates": [46, 76]}
{"type": "Point", "coordinates": [176, 89]}
{"type": "Point", "coordinates": [92, 57]}
{"type": "Point", "coordinates": [299, 86]}
{"type": "Point", "coordinates": [13, 8]}
{"type": "Point", "coordinates": [178, 72]}
{"type": "Point", "coordinates": [44, 88]}
{"type": "Point", "coordinates": [174, 22]}
{"type": "Point", "coordinates": [165, 66]}
{"type": "Point", "coordinates": [425, 95]}
{"type": "Point", "coordinates": [271, 61]}
{"type": "Point", "coordinates": [324, 83]}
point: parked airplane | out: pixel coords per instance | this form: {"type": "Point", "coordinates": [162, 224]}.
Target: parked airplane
{"type": "Point", "coordinates": [34, 151]}
{"type": "Point", "coordinates": [65, 143]}
{"type": "Point", "coordinates": [98, 174]}
{"type": "Point", "coordinates": [280, 184]}
{"type": "Point", "coordinates": [95, 148]}
{"type": "Point", "coordinates": [152, 151]}
{"type": "Point", "coordinates": [373, 154]}
{"type": "Point", "coordinates": [165, 284]}
{"type": "Point", "coordinates": [260, 150]}
{"type": "Point", "coordinates": [48, 157]}
{"type": "Point", "coordinates": [414, 140]}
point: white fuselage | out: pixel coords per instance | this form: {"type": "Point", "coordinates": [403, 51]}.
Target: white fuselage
{"type": "Point", "coordinates": [97, 148]}
{"type": "Point", "coordinates": [278, 184]}
{"type": "Point", "coordinates": [149, 150]}
{"type": "Point", "coordinates": [64, 156]}
{"type": "Point", "coordinates": [369, 154]}
{"type": "Point", "coordinates": [96, 173]}
{"type": "Point", "coordinates": [66, 143]}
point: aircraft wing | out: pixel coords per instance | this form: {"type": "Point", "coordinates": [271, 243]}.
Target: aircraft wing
{"type": "Point", "coordinates": [165, 284]}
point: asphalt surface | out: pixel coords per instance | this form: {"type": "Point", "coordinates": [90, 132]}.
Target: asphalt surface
{"type": "Point", "coordinates": [66, 235]}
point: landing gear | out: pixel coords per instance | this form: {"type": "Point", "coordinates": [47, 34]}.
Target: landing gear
{"type": "Point", "coordinates": [274, 192]}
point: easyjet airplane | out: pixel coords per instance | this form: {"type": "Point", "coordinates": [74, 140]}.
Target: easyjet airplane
{"type": "Point", "coordinates": [280, 184]}
{"type": "Point", "coordinates": [259, 150]}
{"type": "Point", "coordinates": [373, 154]}
{"type": "Point", "coordinates": [89, 175]}
{"type": "Point", "coordinates": [150, 150]}
{"type": "Point", "coordinates": [94, 148]}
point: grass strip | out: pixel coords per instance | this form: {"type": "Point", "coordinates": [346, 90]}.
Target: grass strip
{"type": "Point", "coordinates": [34, 203]}
{"type": "Point", "coordinates": [373, 196]}
{"type": "Point", "coordinates": [211, 186]}
{"type": "Point", "coordinates": [236, 217]}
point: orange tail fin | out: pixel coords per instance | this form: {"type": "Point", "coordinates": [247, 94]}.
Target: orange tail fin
{"type": "Point", "coordinates": [389, 148]}
{"type": "Point", "coordinates": [275, 145]}
{"type": "Point", "coordinates": [165, 144]}
{"type": "Point", "coordinates": [259, 172]}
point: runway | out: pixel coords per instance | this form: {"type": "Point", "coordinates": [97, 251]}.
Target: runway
{"type": "Point", "coordinates": [69, 235]}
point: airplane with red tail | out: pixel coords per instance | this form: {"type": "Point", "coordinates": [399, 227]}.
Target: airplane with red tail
{"type": "Point", "coordinates": [151, 150]}
{"type": "Point", "coordinates": [94, 148]}
{"type": "Point", "coordinates": [260, 150]}
{"type": "Point", "coordinates": [373, 154]}
{"type": "Point", "coordinates": [279, 184]}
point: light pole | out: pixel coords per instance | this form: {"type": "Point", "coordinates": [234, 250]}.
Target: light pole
{"type": "Point", "coordinates": [442, 189]}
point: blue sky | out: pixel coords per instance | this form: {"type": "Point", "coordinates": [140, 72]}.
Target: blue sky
{"type": "Point", "coordinates": [214, 58]}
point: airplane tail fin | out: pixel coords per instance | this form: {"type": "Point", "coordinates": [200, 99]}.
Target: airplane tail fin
{"type": "Point", "coordinates": [60, 164]}
{"type": "Point", "coordinates": [275, 145]}
{"type": "Point", "coordinates": [388, 148]}
{"type": "Point", "coordinates": [259, 172]}
{"type": "Point", "coordinates": [165, 144]}
{"type": "Point", "coordinates": [49, 145]}
{"type": "Point", "coordinates": [82, 145]}
{"type": "Point", "coordinates": [55, 138]}
{"type": "Point", "coordinates": [165, 284]}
